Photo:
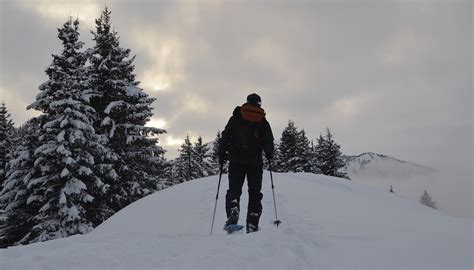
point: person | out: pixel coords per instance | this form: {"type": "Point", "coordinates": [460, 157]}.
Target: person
{"type": "Point", "coordinates": [246, 135]}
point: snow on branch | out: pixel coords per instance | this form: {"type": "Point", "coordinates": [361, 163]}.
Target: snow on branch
{"type": "Point", "coordinates": [113, 105]}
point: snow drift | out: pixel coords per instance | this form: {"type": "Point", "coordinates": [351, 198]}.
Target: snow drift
{"type": "Point", "coordinates": [327, 223]}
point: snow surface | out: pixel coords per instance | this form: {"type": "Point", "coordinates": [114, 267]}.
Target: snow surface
{"type": "Point", "coordinates": [327, 223]}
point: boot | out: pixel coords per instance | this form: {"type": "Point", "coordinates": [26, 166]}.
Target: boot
{"type": "Point", "coordinates": [252, 222]}
{"type": "Point", "coordinates": [233, 218]}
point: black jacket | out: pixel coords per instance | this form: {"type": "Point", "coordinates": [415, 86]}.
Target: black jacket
{"type": "Point", "coordinates": [244, 141]}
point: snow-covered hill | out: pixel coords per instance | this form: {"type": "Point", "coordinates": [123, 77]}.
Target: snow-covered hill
{"type": "Point", "coordinates": [327, 223]}
{"type": "Point", "coordinates": [374, 165]}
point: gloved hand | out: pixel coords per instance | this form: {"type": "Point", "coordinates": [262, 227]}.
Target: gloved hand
{"type": "Point", "coordinates": [222, 158]}
{"type": "Point", "coordinates": [269, 155]}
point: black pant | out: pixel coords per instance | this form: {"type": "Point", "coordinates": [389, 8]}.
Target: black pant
{"type": "Point", "coordinates": [237, 173]}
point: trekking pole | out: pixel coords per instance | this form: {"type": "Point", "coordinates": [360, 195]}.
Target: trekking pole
{"type": "Point", "coordinates": [217, 195]}
{"type": "Point", "coordinates": [276, 222]}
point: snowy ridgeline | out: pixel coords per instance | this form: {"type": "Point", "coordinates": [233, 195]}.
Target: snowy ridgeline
{"type": "Point", "coordinates": [381, 166]}
{"type": "Point", "coordinates": [327, 223]}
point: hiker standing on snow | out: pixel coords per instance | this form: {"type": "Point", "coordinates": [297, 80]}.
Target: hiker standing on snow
{"type": "Point", "coordinates": [244, 138]}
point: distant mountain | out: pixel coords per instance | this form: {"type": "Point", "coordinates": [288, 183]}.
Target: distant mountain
{"type": "Point", "coordinates": [374, 165]}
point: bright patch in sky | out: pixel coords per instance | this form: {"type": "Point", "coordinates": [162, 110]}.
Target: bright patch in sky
{"type": "Point", "coordinates": [156, 81]}
{"type": "Point", "coordinates": [172, 141]}
{"type": "Point", "coordinates": [348, 106]}
{"type": "Point", "coordinates": [157, 123]}
{"type": "Point", "coordinates": [196, 103]}
{"type": "Point", "coordinates": [58, 11]}
{"type": "Point", "coordinates": [165, 58]}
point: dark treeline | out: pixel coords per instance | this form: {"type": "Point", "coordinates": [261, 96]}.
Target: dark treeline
{"type": "Point", "coordinates": [294, 153]}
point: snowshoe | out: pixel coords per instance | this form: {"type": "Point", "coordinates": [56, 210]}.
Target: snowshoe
{"type": "Point", "coordinates": [252, 228]}
{"type": "Point", "coordinates": [233, 228]}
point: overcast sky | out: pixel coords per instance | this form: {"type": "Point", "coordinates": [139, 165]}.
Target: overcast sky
{"type": "Point", "coordinates": [393, 77]}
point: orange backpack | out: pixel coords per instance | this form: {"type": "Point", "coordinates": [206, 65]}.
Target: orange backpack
{"type": "Point", "coordinates": [252, 113]}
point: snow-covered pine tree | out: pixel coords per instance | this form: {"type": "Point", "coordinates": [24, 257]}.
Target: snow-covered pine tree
{"type": "Point", "coordinates": [167, 179]}
{"type": "Point", "coordinates": [425, 199]}
{"type": "Point", "coordinates": [288, 156]}
{"type": "Point", "coordinates": [294, 151]}
{"type": "Point", "coordinates": [7, 135]}
{"type": "Point", "coordinates": [202, 159]}
{"type": "Point", "coordinates": [304, 151]}
{"type": "Point", "coordinates": [319, 154]}
{"type": "Point", "coordinates": [19, 211]}
{"type": "Point", "coordinates": [67, 184]}
{"type": "Point", "coordinates": [192, 162]}
{"type": "Point", "coordinates": [276, 160]}
{"type": "Point", "coordinates": [328, 156]}
{"type": "Point", "coordinates": [183, 163]}
{"type": "Point", "coordinates": [215, 156]}
{"type": "Point", "coordinates": [123, 109]}
{"type": "Point", "coordinates": [314, 161]}
{"type": "Point", "coordinates": [175, 172]}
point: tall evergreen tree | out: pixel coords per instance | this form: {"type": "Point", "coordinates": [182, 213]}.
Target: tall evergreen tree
{"type": "Point", "coordinates": [202, 159]}
{"type": "Point", "coordinates": [67, 184]}
{"type": "Point", "coordinates": [329, 156]}
{"type": "Point", "coordinates": [425, 199]}
{"type": "Point", "coordinates": [19, 209]}
{"type": "Point", "coordinates": [313, 157]}
{"type": "Point", "coordinates": [193, 162]}
{"type": "Point", "coordinates": [7, 134]}
{"type": "Point", "coordinates": [215, 156]}
{"type": "Point", "coordinates": [319, 158]}
{"type": "Point", "coordinates": [183, 163]}
{"type": "Point", "coordinates": [303, 150]}
{"type": "Point", "coordinates": [276, 160]}
{"type": "Point", "coordinates": [288, 156]}
{"type": "Point", "coordinates": [123, 109]}
{"type": "Point", "coordinates": [168, 178]}
{"type": "Point", "coordinates": [294, 151]}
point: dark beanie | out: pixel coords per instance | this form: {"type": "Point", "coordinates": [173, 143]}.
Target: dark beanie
{"type": "Point", "coordinates": [254, 99]}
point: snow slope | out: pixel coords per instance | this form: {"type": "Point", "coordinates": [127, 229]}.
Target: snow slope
{"type": "Point", "coordinates": [327, 223]}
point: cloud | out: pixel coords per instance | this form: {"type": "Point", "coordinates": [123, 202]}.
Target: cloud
{"type": "Point", "coordinates": [157, 123]}
{"type": "Point", "coordinates": [58, 11]}
{"type": "Point", "coordinates": [16, 106]}
{"type": "Point", "coordinates": [165, 57]}
{"type": "Point", "coordinates": [393, 77]}
{"type": "Point", "coordinates": [172, 141]}
{"type": "Point", "coordinates": [400, 48]}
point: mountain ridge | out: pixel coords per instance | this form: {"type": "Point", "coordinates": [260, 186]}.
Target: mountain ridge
{"type": "Point", "coordinates": [370, 164]}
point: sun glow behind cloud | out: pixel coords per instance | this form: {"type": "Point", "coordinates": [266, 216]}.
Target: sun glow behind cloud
{"type": "Point", "coordinates": [157, 123]}
{"type": "Point", "coordinates": [172, 141]}
{"type": "Point", "coordinates": [166, 60]}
